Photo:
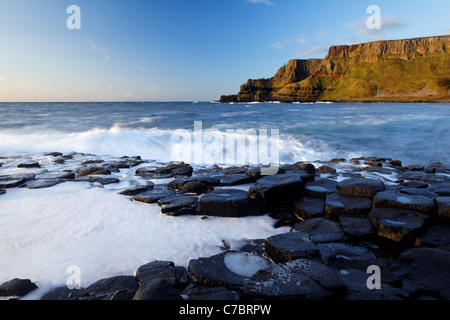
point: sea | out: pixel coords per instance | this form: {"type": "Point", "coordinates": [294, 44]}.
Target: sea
{"type": "Point", "coordinates": [46, 234]}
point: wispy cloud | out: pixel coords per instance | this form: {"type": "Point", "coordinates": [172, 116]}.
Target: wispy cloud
{"type": "Point", "coordinates": [388, 23]}
{"type": "Point", "coordinates": [261, 1]}
{"type": "Point", "coordinates": [446, 32]}
{"type": "Point", "coordinates": [308, 52]}
{"type": "Point", "coordinates": [95, 46]}
{"type": "Point", "coordinates": [302, 39]}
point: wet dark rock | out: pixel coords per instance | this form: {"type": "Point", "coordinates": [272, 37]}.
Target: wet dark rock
{"type": "Point", "coordinates": [94, 161]}
{"type": "Point", "coordinates": [411, 175]}
{"type": "Point", "coordinates": [344, 255]}
{"type": "Point", "coordinates": [320, 188]}
{"type": "Point", "coordinates": [443, 207]}
{"type": "Point", "coordinates": [273, 190]}
{"type": "Point", "coordinates": [419, 192]}
{"type": "Point", "coordinates": [236, 179]}
{"type": "Point", "coordinates": [53, 154]}
{"type": "Point", "coordinates": [194, 292]}
{"type": "Point", "coordinates": [413, 167]}
{"type": "Point", "coordinates": [290, 246]}
{"type": "Point", "coordinates": [231, 203]}
{"type": "Point", "coordinates": [214, 272]}
{"type": "Point", "coordinates": [157, 290]}
{"type": "Point", "coordinates": [176, 169]}
{"type": "Point", "coordinates": [29, 164]}
{"type": "Point", "coordinates": [178, 205]}
{"type": "Point", "coordinates": [2, 191]}
{"type": "Point", "coordinates": [41, 184]}
{"type": "Point", "coordinates": [309, 208]}
{"type": "Point", "coordinates": [395, 163]}
{"type": "Point", "coordinates": [237, 170]}
{"type": "Point", "coordinates": [59, 161]}
{"type": "Point", "coordinates": [435, 236]}
{"type": "Point", "coordinates": [157, 270]}
{"type": "Point", "coordinates": [154, 195]}
{"type": "Point", "coordinates": [436, 167]}
{"type": "Point", "coordinates": [435, 178]}
{"type": "Point", "coordinates": [209, 181]}
{"type": "Point", "coordinates": [414, 184]}
{"type": "Point", "coordinates": [137, 190]}
{"type": "Point", "coordinates": [11, 183]}
{"type": "Point", "coordinates": [62, 293]}
{"type": "Point", "coordinates": [360, 187]}
{"type": "Point", "coordinates": [398, 225]}
{"type": "Point", "coordinates": [195, 187]}
{"type": "Point", "coordinates": [94, 171]}
{"type": "Point", "coordinates": [307, 167]}
{"type": "Point", "coordinates": [337, 204]}
{"type": "Point", "coordinates": [338, 160]}
{"type": "Point", "coordinates": [56, 175]}
{"type": "Point", "coordinates": [111, 289]}
{"type": "Point", "coordinates": [425, 268]}
{"type": "Point", "coordinates": [321, 230]}
{"type": "Point", "coordinates": [106, 181]}
{"type": "Point", "coordinates": [17, 288]}
{"type": "Point", "coordinates": [442, 189]}
{"type": "Point", "coordinates": [293, 281]}
{"type": "Point", "coordinates": [326, 170]}
{"type": "Point", "coordinates": [393, 198]}
{"type": "Point", "coordinates": [357, 228]}
{"type": "Point", "coordinates": [256, 172]}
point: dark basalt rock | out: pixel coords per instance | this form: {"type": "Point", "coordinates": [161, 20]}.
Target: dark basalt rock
{"type": "Point", "coordinates": [194, 292]}
{"type": "Point", "coordinates": [111, 289]}
{"type": "Point", "coordinates": [419, 192]}
{"type": "Point", "coordinates": [393, 198]}
{"type": "Point", "coordinates": [398, 225]}
{"type": "Point", "coordinates": [308, 208]}
{"type": "Point", "coordinates": [300, 279]}
{"type": "Point", "coordinates": [11, 183]}
{"type": "Point", "coordinates": [232, 203]}
{"type": "Point", "coordinates": [213, 271]}
{"type": "Point", "coordinates": [41, 184]}
{"type": "Point", "coordinates": [56, 175]}
{"type": "Point", "coordinates": [195, 187]}
{"type": "Point", "coordinates": [357, 228]}
{"type": "Point", "coordinates": [236, 179]}
{"type": "Point", "coordinates": [320, 188]}
{"type": "Point", "coordinates": [321, 230]}
{"type": "Point", "coordinates": [337, 204]}
{"type": "Point", "coordinates": [93, 161]}
{"type": "Point", "coordinates": [29, 164]}
{"type": "Point", "coordinates": [154, 195]}
{"type": "Point", "coordinates": [274, 190]}
{"type": "Point", "coordinates": [443, 207]}
{"type": "Point", "coordinates": [53, 154]}
{"type": "Point", "coordinates": [176, 169]}
{"type": "Point", "coordinates": [344, 255]}
{"type": "Point", "coordinates": [137, 190]}
{"type": "Point", "coordinates": [209, 181]}
{"type": "Point", "coordinates": [442, 189]}
{"type": "Point", "coordinates": [435, 236]}
{"type": "Point", "coordinates": [62, 293]}
{"type": "Point", "coordinates": [256, 172]}
{"type": "Point", "coordinates": [17, 288]}
{"type": "Point", "coordinates": [157, 270]}
{"type": "Point", "coordinates": [426, 269]}
{"type": "Point", "coordinates": [106, 181]}
{"type": "Point", "coordinates": [360, 187]}
{"type": "Point", "coordinates": [290, 246]}
{"type": "Point", "coordinates": [2, 191]}
{"type": "Point", "coordinates": [94, 171]}
{"type": "Point", "coordinates": [178, 205]}
{"type": "Point", "coordinates": [157, 289]}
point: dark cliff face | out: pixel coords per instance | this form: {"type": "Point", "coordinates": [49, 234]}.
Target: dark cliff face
{"type": "Point", "coordinates": [394, 70]}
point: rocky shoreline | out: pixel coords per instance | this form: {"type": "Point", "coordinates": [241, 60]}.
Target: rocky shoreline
{"type": "Point", "coordinates": [345, 216]}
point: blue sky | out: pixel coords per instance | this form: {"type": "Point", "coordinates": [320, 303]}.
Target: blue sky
{"type": "Point", "coordinates": [161, 50]}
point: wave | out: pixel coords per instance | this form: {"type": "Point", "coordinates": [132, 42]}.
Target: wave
{"type": "Point", "coordinates": [231, 147]}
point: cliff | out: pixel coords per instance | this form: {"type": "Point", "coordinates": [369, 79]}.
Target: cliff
{"type": "Point", "coordinates": [395, 70]}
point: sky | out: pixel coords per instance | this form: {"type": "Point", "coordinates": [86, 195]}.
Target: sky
{"type": "Point", "coordinates": [182, 50]}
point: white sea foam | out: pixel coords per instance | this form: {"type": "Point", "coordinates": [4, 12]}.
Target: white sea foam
{"type": "Point", "coordinates": [45, 231]}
